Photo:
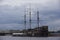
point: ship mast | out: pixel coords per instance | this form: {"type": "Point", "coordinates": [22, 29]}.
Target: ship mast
{"type": "Point", "coordinates": [25, 21]}
{"type": "Point", "coordinates": [30, 18]}
{"type": "Point", "coordinates": [38, 19]}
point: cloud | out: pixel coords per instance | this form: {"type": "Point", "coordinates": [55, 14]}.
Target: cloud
{"type": "Point", "coordinates": [12, 12]}
{"type": "Point", "coordinates": [12, 26]}
{"type": "Point", "coordinates": [21, 2]}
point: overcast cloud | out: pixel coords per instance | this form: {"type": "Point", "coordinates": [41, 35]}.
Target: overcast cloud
{"type": "Point", "coordinates": [12, 12]}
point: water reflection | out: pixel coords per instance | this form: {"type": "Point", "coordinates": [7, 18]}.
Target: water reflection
{"type": "Point", "coordinates": [0, 38]}
{"type": "Point", "coordinates": [28, 38]}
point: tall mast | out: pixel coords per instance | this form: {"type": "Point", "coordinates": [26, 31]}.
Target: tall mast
{"type": "Point", "coordinates": [30, 19]}
{"type": "Point", "coordinates": [30, 15]}
{"type": "Point", "coordinates": [25, 21]}
{"type": "Point", "coordinates": [38, 19]}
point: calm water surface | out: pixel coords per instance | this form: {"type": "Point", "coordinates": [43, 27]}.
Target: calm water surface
{"type": "Point", "coordinates": [28, 38]}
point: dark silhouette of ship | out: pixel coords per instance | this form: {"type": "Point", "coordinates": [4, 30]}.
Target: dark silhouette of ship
{"type": "Point", "coordinates": [38, 31]}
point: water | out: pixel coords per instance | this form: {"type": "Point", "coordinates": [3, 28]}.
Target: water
{"type": "Point", "coordinates": [28, 38]}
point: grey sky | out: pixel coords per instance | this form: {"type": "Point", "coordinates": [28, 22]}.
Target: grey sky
{"type": "Point", "coordinates": [12, 11]}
